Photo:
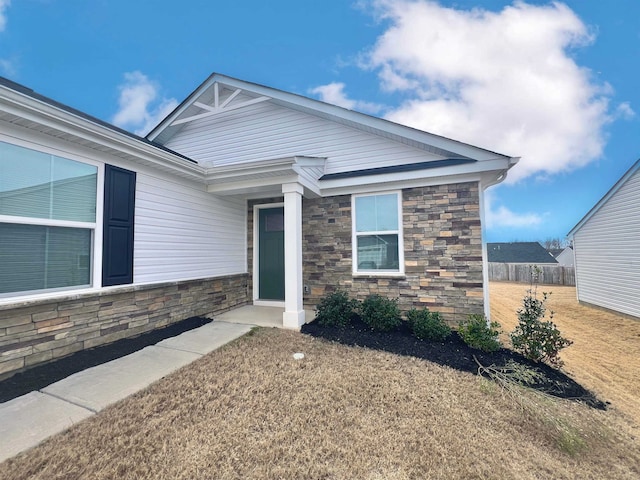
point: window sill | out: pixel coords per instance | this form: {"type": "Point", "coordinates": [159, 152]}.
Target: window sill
{"type": "Point", "coordinates": [397, 275]}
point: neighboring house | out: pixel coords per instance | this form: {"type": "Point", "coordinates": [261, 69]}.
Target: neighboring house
{"type": "Point", "coordinates": [606, 243]}
{"type": "Point", "coordinates": [104, 234]}
{"type": "Point", "coordinates": [565, 257]}
{"type": "Point", "coordinates": [531, 253]}
{"type": "Point", "coordinates": [515, 261]}
{"type": "Point", "coordinates": [555, 251]}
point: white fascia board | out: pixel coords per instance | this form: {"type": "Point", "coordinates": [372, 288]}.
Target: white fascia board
{"type": "Point", "coordinates": [306, 162]}
{"type": "Point", "coordinates": [55, 118]}
{"type": "Point", "coordinates": [180, 109]}
{"type": "Point", "coordinates": [473, 172]}
{"type": "Point", "coordinates": [274, 183]}
{"type": "Point", "coordinates": [269, 165]}
{"type": "Point", "coordinates": [491, 178]}
{"type": "Point", "coordinates": [235, 187]}
{"type": "Point", "coordinates": [227, 173]}
{"type": "Point", "coordinates": [388, 183]}
{"type": "Point", "coordinates": [234, 178]}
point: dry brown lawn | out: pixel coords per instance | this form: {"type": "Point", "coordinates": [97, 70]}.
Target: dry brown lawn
{"type": "Point", "coordinates": [605, 355]}
{"type": "Point", "coordinates": [250, 411]}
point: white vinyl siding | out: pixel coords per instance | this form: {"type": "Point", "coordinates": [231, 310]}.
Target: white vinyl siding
{"type": "Point", "coordinates": [267, 131]}
{"type": "Point", "coordinates": [607, 252]}
{"type": "Point", "coordinates": [183, 232]}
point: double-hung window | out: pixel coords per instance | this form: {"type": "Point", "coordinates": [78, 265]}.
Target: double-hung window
{"type": "Point", "coordinates": [377, 234]}
{"type": "Point", "coordinates": [47, 221]}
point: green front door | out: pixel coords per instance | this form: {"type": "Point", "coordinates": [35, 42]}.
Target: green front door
{"type": "Point", "coordinates": [271, 253]}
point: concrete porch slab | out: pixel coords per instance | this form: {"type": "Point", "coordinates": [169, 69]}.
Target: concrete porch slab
{"type": "Point", "coordinates": [28, 420]}
{"type": "Point", "coordinates": [258, 315]}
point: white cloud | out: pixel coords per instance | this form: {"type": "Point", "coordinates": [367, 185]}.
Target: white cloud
{"type": "Point", "coordinates": [501, 216]}
{"type": "Point", "coordinates": [4, 4]}
{"type": "Point", "coordinates": [7, 67]}
{"type": "Point", "coordinates": [505, 81]}
{"type": "Point", "coordinates": [139, 107]}
{"type": "Point", "coordinates": [334, 93]}
{"type": "Point", "coordinates": [625, 111]}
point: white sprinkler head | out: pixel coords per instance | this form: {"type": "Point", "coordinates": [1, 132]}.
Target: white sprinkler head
{"type": "Point", "coordinates": [298, 356]}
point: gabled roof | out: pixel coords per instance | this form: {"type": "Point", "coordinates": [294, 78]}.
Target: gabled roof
{"type": "Point", "coordinates": [612, 191]}
{"type": "Point", "coordinates": [208, 100]}
{"type": "Point", "coordinates": [518, 252]}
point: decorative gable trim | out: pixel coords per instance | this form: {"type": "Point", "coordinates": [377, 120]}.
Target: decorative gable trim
{"type": "Point", "coordinates": [218, 107]}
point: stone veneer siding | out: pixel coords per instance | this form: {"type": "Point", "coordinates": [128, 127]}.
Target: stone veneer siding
{"type": "Point", "coordinates": [442, 251]}
{"type": "Point", "coordinates": [43, 330]}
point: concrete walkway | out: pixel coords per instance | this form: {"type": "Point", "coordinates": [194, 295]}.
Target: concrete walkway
{"type": "Point", "coordinates": [28, 420]}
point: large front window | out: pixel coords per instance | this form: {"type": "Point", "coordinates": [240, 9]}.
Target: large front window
{"type": "Point", "coordinates": [377, 235]}
{"type": "Point", "coordinates": [47, 220]}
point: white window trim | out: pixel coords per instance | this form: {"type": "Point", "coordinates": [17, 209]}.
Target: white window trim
{"type": "Point", "coordinates": [96, 227]}
{"type": "Point", "coordinates": [355, 234]}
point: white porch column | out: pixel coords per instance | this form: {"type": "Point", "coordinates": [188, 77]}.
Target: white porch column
{"type": "Point", "coordinates": [293, 316]}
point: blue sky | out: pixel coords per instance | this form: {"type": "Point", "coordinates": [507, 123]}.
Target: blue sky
{"type": "Point", "coordinates": [553, 83]}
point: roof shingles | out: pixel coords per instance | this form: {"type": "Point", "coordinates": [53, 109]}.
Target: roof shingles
{"type": "Point", "coordinates": [518, 252]}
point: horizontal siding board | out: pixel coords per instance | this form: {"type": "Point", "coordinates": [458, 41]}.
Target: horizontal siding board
{"type": "Point", "coordinates": [265, 131]}
{"type": "Point", "coordinates": [607, 252]}
{"type": "Point", "coordinates": [183, 232]}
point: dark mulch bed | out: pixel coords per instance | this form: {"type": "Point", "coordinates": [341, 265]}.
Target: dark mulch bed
{"type": "Point", "coordinates": [452, 353]}
{"type": "Point", "coordinates": [40, 376]}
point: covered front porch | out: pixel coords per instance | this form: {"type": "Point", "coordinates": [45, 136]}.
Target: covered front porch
{"type": "Point", "coordinates": [273, 190]}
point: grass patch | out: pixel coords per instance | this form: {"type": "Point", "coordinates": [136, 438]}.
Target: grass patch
{"type": "Point", "coordinates": [513, 380]}
{"type": "Point", "coordinates": [570, 441]}
{"type": "Point", "coordinates": [249, 410]}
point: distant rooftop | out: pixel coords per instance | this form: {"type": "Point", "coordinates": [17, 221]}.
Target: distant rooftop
{"type": "Point", "coordinates": [518, 252]}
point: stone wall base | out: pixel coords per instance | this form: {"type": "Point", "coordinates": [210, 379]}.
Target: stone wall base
{"type": "Point", "coordinates": [40, 331]}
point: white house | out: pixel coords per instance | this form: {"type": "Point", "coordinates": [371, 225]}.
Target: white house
{"type": "Point", "coordinates": [244, 194]}
{"type": "Point", "coordinates": [606, 245]}
{"type": "Point", "coordinates": [565, 257]}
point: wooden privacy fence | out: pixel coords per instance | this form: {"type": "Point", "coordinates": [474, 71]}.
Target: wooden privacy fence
{"type": "Point", "coordinates": [522, 273]}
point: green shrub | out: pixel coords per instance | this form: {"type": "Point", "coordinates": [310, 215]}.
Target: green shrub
{"type": "Point", "coordinates": [536, 339]}
{"type": "Point", "coordinates": [336, 309]}
{"type": "Point", "coordinates": [380, 313]}
{"type": "Point", "coordinates": [476, 333]}
{"type": "Point", "coordinates": [428, 325]}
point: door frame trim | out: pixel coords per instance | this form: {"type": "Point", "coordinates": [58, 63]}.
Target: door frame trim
{"type": "Point", "coordinates": [256, 257]}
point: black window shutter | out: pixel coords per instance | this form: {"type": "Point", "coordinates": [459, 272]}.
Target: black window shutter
{"type": "Point", "coordinates": [117, 240]}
